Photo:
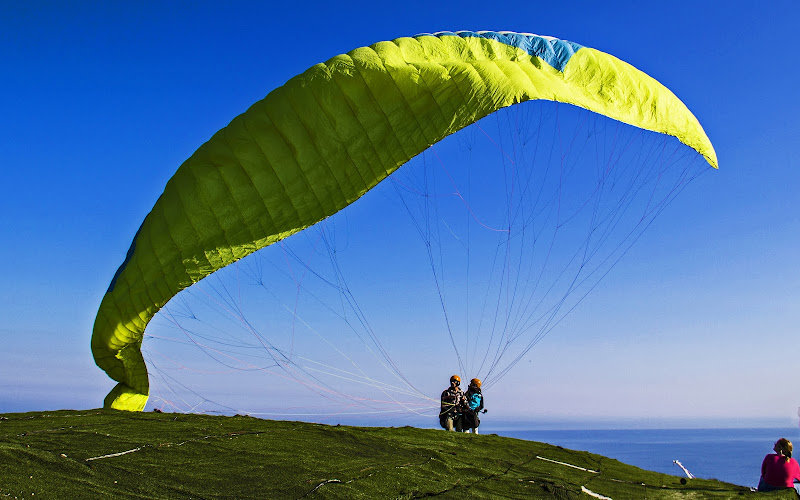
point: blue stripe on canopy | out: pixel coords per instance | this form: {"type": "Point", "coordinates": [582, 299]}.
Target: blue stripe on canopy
{"type": "Point", "coordinates": [553, 51]}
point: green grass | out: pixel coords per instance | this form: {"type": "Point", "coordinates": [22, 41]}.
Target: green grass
{"type": "Point", "coordinates": [173, 456]}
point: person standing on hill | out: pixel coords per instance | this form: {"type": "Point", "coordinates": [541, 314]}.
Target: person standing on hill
{"type": "Point", "coordinates": [473, 404]}
{"type": "Point", "coordinates": [451, 402]}
{"type": "Point", "coordinates": [779, 470]}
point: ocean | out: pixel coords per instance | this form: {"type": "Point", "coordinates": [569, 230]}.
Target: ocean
{"type": "Point", "coordinates": [730, 455]}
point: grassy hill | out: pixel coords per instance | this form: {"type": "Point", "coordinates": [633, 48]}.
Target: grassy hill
{"type": "Point", "coordinates": [111, 454]}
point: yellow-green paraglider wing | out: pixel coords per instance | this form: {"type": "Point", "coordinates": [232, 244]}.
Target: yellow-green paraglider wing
{"type": "Point", "coordinates": [318, 143]}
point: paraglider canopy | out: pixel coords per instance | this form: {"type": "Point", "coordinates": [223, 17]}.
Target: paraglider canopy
{"type": "Point", "coordinates": [329, 135]}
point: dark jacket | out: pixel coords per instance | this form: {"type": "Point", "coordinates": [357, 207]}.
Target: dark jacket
{"type": "Point", "coordinates": [451, 401]}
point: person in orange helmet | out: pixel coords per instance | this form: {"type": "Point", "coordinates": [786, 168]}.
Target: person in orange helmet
{"type": "Point", "coordinates": [452, 401]}
{"type": "Point", "coordinates": [473, 404]}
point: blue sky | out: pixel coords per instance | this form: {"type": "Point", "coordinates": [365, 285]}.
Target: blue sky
{"type": "Point", "coordinates": [102, 102]}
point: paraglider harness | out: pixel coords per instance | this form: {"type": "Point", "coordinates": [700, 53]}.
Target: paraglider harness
{"type": "Point", "coordinates": [470, 416]}
{"type": "Point", "coordinates": [451, 404]}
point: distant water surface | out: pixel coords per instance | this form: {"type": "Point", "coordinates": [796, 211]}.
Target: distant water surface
{"type": "Point", "coordinates": [730, 455]}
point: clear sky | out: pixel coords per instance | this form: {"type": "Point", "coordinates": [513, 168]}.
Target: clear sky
{"type": "Point", "coordinates": [101, 102]}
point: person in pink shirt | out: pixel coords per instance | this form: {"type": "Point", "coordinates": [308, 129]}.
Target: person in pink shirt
{"type": "Point", "coordinates": [779, 470]}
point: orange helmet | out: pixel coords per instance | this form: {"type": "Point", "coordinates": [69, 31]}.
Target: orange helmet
{"type": "Point", "coordinates": [455, 378]}
{"type": "Point", "coordinates": [476, 382]}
